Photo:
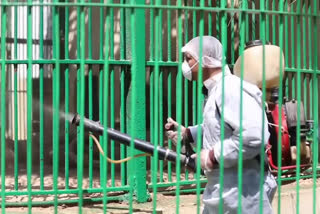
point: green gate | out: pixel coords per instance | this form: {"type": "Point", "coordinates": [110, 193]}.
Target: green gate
{"type": "Point", "coordinates": [119, 62]}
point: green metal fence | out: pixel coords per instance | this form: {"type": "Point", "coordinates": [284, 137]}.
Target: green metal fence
{"type": "Point", "coordinates": [119, 62]}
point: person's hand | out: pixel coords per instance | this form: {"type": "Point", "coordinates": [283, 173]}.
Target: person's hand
{"type": "Point", "coordinates": [207, 160]}
{"type": "Point", "coordinates": [172, 130]}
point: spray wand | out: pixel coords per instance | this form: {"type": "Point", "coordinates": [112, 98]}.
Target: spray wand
{"type": "Point", "coordinates": [144, 146]}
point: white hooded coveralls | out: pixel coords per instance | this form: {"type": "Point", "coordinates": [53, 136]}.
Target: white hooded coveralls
{"type": "Point", "coordinates": [252, 111]}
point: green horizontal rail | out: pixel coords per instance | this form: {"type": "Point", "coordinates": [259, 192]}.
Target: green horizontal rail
{"type": "Point", "coordinates": [206, 9]}
{"type": "Point", "coordinates": [128, 63]}
{"type": "Point", "coordinates": [127, 187]}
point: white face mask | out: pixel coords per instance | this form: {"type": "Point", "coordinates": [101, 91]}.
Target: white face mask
{"type": "Point", "coordinates": [186, 70]}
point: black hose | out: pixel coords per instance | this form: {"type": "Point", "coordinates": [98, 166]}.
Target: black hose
{"type": "Point", "coordinates": [145, 146]}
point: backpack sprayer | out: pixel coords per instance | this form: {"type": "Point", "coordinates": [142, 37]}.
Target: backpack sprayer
{"type": "Point", "coordinates": [144, 146]}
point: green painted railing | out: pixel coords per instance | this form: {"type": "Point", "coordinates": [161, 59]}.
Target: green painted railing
{"type": "Point", "coordinates": [119, 62]}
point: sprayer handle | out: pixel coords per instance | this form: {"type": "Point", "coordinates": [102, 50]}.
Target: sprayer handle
{"type": "Point", "coordinates": [191, 163]}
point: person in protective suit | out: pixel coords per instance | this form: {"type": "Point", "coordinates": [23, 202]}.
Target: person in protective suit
{"type": "Point", "coordinates": [252, 113]}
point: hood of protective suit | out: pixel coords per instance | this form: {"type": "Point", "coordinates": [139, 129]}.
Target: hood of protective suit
{"type": "Point", "coordinates": [212, 52]}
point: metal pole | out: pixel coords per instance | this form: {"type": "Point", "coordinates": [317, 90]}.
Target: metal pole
{"type": "Point", "coordinates": [136, 99]}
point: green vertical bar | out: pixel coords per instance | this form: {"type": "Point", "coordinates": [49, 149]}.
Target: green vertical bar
{"type": "Point", "coordinates": [224, 46]}
{"type": "Point", "coordinates": [3, 106]}
{"type": "Point", "coordinates": [29, 105]}
{"type": "Point", "coordinates": [179, 103]}
{"type": "Point", "coordinates": [101, 51]}
{"type": "Point", "coordinates": [310, 59]}
{"type": "Point", "coordinates": [286, 49]}
{"type": "Point", "coordinates": [78, 56]}
{"type": "Point", "coordinates": [169, 115]}
{"type": "Point", "coordinates": [152, 111]}
{"type": "Point", "coordinates": [123, 125]}
{"type": "Point", "coordinates": [78, 88]}
{"type": "Point", "coordinates": [310, 47]}
{"type": "Point", "coordinates": [194, 19]}
{"type": "Point", "coordinates": [112, 116]}
{"type": "Point", "coordinates": [112, 104]}
{"type": "Point", "coordinates": [151, 31]}
{"type": "Point", "coordinates": [186, 81]}
{"type": "Point", "coordinates": [16, 119]}
{"type": "Point", "coordinates": [279, 155]}
{"type": "Point", "coordinates": [156, 105]}
{"type": "Point", "coordinates": [132, 102]}
{"type": "Point", "coordinates": [194, 83]}
{"type": "Point", "coordinates": [105, 110]}
{"type": "Point", "coordinates": [169, 81]}
{"type": "Point", "coordinates": [315, 109]}
{"type": "Point", "coordinates": [298, 24]}
{"type": "Point", "coordinates": [138, 101]}
{"type": "Point", "coordinates": [293, 59]}
{"type": "Point", "coordinates": [66, 97]}
{"type": "Point", "coordinates": [56, 102]}
{"type": "Point", "coordinates": [81, 102]}
{"type": "Point", "coordinates": [262, 152]}
{"type": "Point", "coordinates": [161, 120]}
{"type": "Point", "coordinates": [41, 101]}
{"type": "Point", "coordinates": [90, 93]}
{"type": "Point", "coordinates": [132, 97]}
{"type": "Point", "coordinates": [199, 105]}
{"type": "Point", "coordinates": [240, 161]}
{"type": "Point", "coordinates": [160, 90]}
{"type": "Point", "coordinates": [122, 96]}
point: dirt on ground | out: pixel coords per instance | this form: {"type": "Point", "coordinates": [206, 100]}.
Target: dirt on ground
{"type": "Point", "coordinates": [165, 200]}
